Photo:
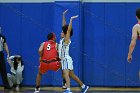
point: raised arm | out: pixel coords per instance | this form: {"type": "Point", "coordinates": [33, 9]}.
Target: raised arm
{"type": "Point", "coordinates": [69, 29]}
{"type": "Point", "coordinates": [63, 18]}
{"type": "Point", "coordinates": [133, 43]}
{"type": "Point", "coordinates": [10, 60]}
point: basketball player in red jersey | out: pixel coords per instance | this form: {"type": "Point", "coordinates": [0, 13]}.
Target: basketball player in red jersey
{"type": "Point", "coordinates": [48, 58]}
{"type": "Point", "coordinates": [135, 35]}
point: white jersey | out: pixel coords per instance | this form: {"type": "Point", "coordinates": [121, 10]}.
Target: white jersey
{"type": "Point", "coordinates": [64, 49]}
{"type": "Point", "coordinates": [66, 60]}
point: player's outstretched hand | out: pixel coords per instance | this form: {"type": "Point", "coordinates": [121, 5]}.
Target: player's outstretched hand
{"type": "Point", "coordinates": [65, 12]}
{"type": "Point", "coordinates": [73, 17]}
{"type": "Point", "coordinates": [129, 58]}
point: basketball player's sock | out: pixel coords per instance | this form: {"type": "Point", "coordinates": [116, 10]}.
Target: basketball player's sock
{"type": "Point", "coordinates": [64, 81]}
{"type": "Point", "coordinates": [37, 87]}
{"type": "Point", "coordinates": [83, 86]}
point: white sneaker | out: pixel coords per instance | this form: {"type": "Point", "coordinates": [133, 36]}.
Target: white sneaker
{"type": "Point", "coordinates": [64, 86]}
{"type": "Point", "coordinates": [37, 90]}
{"type": "Point", "coordinates": [84, 90]}
{"type": "Point", "coordinates": [67, 91]}
{"type": "Point", "coordinates": [17, 88]}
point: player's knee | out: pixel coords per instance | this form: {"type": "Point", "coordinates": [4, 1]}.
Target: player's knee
{"type": "Point", "coordinates": [65, 75]}
{"type": "Point", "coordinates": [71, 74]}
{"type": "Point", "coordinates": [39, 73]}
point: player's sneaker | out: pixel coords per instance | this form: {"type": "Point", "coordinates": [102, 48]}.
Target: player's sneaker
{"type": "Point", "coordinates": [37, 90]}
{"type": "Point", "coordinates": [17, 88]}
{"type": "Point", "coordinates": [67, 91]}
{"type": "Point", "coordinates": [64, 86]}
{"type": "Point", "coordinates": [84, 90]}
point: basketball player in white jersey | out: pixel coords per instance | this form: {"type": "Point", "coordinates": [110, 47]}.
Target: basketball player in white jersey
{"type": "Point", "coordinates": [66, 60]}
{"type": "Point", "coordinates": [135, 35]}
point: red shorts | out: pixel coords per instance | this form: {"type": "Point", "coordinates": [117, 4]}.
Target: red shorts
{"type": "Point", "coordinates": [44, 67]}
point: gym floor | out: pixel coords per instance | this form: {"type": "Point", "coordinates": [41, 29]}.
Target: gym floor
{"type": "Point", "coordinates": [74, 90]}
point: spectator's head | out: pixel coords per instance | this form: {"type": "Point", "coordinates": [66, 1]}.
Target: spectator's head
{"type": "Point", "coordinates": [17, 60]}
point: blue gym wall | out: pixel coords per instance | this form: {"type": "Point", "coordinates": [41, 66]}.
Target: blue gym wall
{"type": "Point", "coordinates": [99, 48]}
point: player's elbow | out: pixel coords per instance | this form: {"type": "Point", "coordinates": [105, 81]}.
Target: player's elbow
{"type": "Point", "coordinates": [40, 52]}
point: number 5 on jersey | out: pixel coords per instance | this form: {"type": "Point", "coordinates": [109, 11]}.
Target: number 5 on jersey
{"type": "Point", "coordinates": [49, 47]}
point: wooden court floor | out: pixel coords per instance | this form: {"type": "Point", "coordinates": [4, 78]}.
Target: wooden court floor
{"type": "Point", "coordinates": [74, 90]}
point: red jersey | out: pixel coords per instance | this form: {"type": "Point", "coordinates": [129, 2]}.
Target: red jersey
{"type": "Point", "coordinates": [50, 51]}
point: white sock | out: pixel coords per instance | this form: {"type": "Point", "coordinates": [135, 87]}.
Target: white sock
{"type": "Point", "coordinates": [83, 86]}
{"type": "Point", "coordinates": [68, 88]}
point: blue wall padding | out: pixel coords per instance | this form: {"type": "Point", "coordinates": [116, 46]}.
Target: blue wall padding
{"type": "Point", "coordinates": [99, 47]}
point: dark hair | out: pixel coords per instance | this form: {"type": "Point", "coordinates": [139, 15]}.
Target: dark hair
{"type": "Point", "coordinates": [16, 63]}
{"type": "Point", "coordinates": [65, 28]}
{"type": "Point", "coordinates": [138, 13]}
{"type": "Point", "coordinates": [50, 36]}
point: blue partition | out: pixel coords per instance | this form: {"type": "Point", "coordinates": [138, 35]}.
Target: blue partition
{"type": "Point", "coordinates": [93, 44]}
{"type": "Point", "coordinates": [99, 47]}
{"type": "Point", "coordinates": [107, 29]}
{"type": "Point", "coordinates": [115, 44]}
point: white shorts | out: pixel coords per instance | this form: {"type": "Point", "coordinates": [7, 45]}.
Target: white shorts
{"type": "Point", "coordinates": [67, 63]}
